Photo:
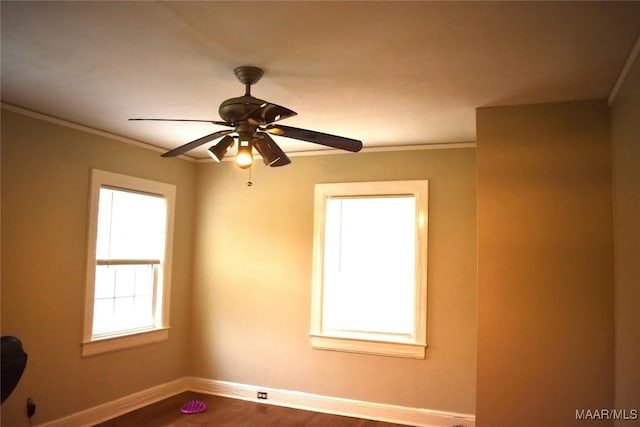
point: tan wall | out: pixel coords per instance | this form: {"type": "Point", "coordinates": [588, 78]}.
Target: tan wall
{"type": "Point", "coordinates": [250, 323]}
{"type": "Point", "coordinates": [252, 281]}
{"type": "Point", "coordinates": [545, 263]}
{"type": "Point", "coordinates": [625, 139]}
{"type": "Point", "coordinates": [45, 184]}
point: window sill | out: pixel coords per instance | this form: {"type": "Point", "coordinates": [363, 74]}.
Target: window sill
{"type": "Point", "coordinates": [121, 342]}
{"type": "Point", "coordinates": [400, 348]}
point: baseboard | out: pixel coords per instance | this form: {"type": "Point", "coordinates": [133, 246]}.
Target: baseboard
{"type": "Point", "coordinates": [288, 398]}
{"type": "Point", "coordinates": [121, 406]}
{"type": "Point", "coordinates": [333, 405]}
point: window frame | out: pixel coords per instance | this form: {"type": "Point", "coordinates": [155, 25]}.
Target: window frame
{"type": "Point", "coordinates": [411, 345]}
{"type": "Point", "coordinates": [159, 331]}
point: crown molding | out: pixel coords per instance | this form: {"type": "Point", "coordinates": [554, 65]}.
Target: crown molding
{"type": "Point", "coordinates": [87, 129]}
{"type": "Point", "coordinates": [147, 146]}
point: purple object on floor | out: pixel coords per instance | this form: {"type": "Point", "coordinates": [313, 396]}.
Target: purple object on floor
{"type": "Point", "coordinates": [193, 407]}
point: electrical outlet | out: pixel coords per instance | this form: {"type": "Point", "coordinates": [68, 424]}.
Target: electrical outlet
{"type": "Point", "coordinates": [262, 395]}
{"type": "Point", "coordinates": [31, 407]}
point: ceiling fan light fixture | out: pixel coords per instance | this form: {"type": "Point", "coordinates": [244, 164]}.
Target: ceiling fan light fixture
{"type": "Point", "coordinates": [269, 156]}
{"type": "Point", "coordinates": [244, 158]}
{"type": "Point", "coordinates": [218, 151]}
{"type": "Point", "coordinates": [252, 119]}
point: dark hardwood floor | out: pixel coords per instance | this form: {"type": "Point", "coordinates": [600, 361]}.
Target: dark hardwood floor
{"type": "Point", "coordinates": [226, 412]}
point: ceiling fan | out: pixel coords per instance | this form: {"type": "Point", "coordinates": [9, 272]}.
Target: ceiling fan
{"type": "Point", "coordinates": [252, 120]}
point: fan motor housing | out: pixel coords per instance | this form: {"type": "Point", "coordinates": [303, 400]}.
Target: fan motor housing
{"type": "Point", "coordinates": [234, 109]}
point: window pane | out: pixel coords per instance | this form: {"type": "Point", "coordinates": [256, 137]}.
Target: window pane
{"type": "Point", "coordinates": [370, 264]}
{"type": "Point", "coordinates": [125, 280]}
{"type": "Point", "coordinates": [124, 297]}
{"type": "Point", "coordinates": [143, 310]}
{"type": "Point", "coordinates": [105, 282]}
{"type": "Point", "coordinates": [144, 280]}
{"type": "Point", "coordinates": [130, 225]}
{"type": "Point", "coordinates": [123, 313]}
{"type": "Point", "coordinates": [102, 316]}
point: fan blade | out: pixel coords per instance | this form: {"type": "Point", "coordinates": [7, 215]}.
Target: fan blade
{"type": "Point", "coordinates": [196, 143]}
{"type": "Point", "coordinates": [281, 158]}
{"type": "Point", "coordinates": [268, 113]}
{"type": "Point", "coordinates": [215, 122]}
{"type": "Point", "coordinates": [334, 141]}
{"type": "Point", "coordinates": [282, 161]}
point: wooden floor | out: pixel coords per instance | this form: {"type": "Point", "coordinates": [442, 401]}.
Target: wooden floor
{"type": "Point", "coordinates": [226, 412]}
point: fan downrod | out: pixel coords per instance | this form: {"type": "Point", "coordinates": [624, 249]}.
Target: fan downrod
{"type": "Point", "coordinates": [248, 75]}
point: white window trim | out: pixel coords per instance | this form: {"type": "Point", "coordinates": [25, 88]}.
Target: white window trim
{"type": "Point", "coordinates": [409, 346]}
{"type": "Point", "coordinates": [138, 337]}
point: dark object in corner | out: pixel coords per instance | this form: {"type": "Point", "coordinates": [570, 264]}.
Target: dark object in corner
{"type": "Point", "coordinates": [14, 360]}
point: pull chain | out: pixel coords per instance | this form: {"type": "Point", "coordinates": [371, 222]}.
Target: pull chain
{"type": "Point", "coordinates": [249, 183]}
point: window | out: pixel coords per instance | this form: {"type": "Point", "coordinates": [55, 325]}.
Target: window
{"type": "Point", "coordinates": [128, 262]}
{"type": "Point", "coordinates": [369, 268]}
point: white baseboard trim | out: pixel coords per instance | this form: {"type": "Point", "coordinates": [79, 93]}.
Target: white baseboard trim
{"type": "Point", "coordinates": [115, 408]}
{"type": "Point", "coordinates": [334, 405]}
{"type": "Point", "coordinates": [288, 398]}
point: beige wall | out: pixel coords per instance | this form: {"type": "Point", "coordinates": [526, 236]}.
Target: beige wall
{"type": "Point", "coordinates": [252, 281]}
{"type": "Point", "coordinates": [45, 184]}
{"type": "Point", "coordinates": [544, 285]}
{"type": "Point", "coordinates": [625, 139]}
{"type": "Point", "coordinates": [545, 324]}
{"type": "Point", "coordinates": [245, 323]}
{"type": "Point", "coordinates": [545, 263]}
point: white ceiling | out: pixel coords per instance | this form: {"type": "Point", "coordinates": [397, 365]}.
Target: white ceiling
{"type": "Point", "coordinates": [384, 72]}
